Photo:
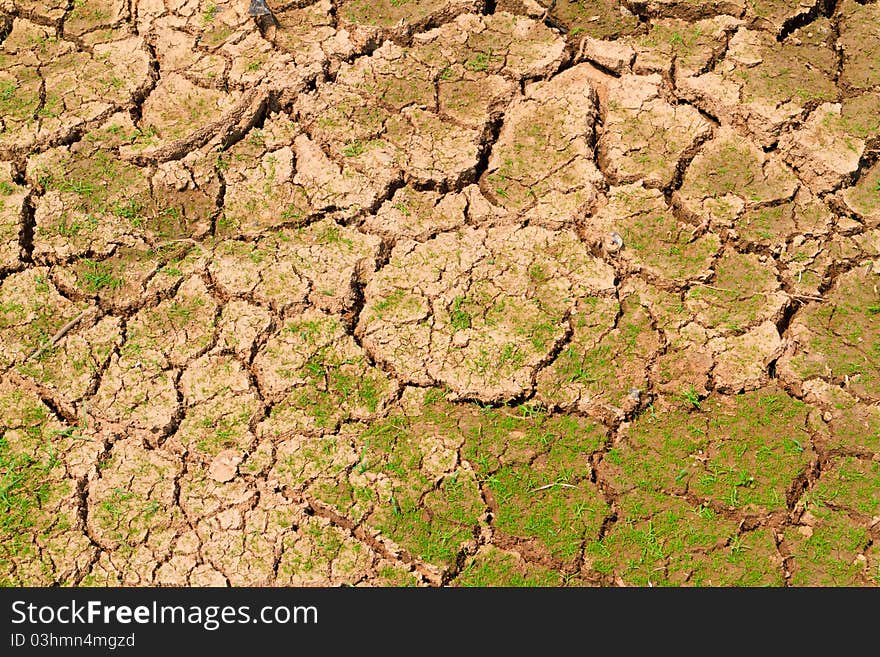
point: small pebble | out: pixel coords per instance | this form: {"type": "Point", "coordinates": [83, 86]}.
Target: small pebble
{"type": "Point", "coordinates": [612, 243]}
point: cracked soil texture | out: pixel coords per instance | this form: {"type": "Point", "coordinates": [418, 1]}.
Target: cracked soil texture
{"type": "Point", "coordinates": [440, 293]}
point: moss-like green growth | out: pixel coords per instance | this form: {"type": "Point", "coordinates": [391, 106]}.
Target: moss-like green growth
{"type": "Point", "coordinates": [535, 471]}
{"type": "Point", "coordinates": [662, 540]}
{"type": "Point", "coordinates": [731, 452]}
{"type": "Point", "coordinates": [41, 542]}
{"type": "Point", "coordinates": [428, 513]}
{"type": "Point", "coordinates": [492, 567]}
{"type": "Point", "coordinates": [841, 507]}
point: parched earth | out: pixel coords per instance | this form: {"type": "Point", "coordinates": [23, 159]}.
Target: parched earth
{"type": "Point", "coordinates": [440, 292]}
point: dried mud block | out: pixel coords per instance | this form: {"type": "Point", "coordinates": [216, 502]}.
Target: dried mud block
{"type": "Point", "coordinates": [603, 370]}
{"type": "Point", "coordinates": [318, 376]}
{"type": "Point", "coordinates": [692, 45]}
{"type": "Point", "coordinates": [741, 361]}
{"type": "Point", "coordinates": [139, 387]}
{"type": "Point", "coordinates": [833, 340]}
{"type": "Point", "coordinates": [410, 490]}
{"type": "Point", "coordinates": [745, 292]}
{"type": "Point", "coordinates": [645, 138]}
{"type": "Point", "coordinates": [12, 208]}
{"type": "Point", "coordinates": [214, 22]}
{"type": "Point", "coordinates": [47, 10]}
{"type": "Point", "coordinates": [220, 407]}
{"type": "Point", "coordinates": [322, 263]}
{"type": "Point", "coordinates": [729, 175]}
{"type": "Point", "coordinates": [185, 193]}
{"type": "Point", "coordinates": [431, 150]}
{"type": "Point", "coordinates": [863, 198]}
{"type": "Point", "coordinates": [790, 223]}
{"type": "Point", "coordinates": [420, 113]}
{"type": "Point", "coordinates": [218, 45]}
{"type": "Point", "coordinates": [239, 529]}
{"type": "Point", "coordinates": [309, 34]}
{"type": "Point", "coordinates": [224, 466]}
{"type": "Point", "coordinates": [132, 508]}
{"type": "Point", "coordinates": [535, 467]}
{"type": "Point", "coordinates": [373, 21]}
{"type": "Point", "coordinates": [71, 367]}
{"type": "Point", "coordinates": [417, 215]}
{"type": "Point", "coordinates": [513, 46]}
{"type": "Point", "coordinates": [610, 55]}
{"type": "Point", "coordinates": [852, 427]}
{"type": "Point", "coordinates": [253, 61]}
{"type": "Point", "coordinates": [41, 537]}
{"type": "Point", "coordinates": [765, 86]}
{"type": "Point", "coordinates": [859, 29]}
{"type": "Point", "coordinates": [314, 463]}
{"type": "Point", "coordinates": [181, 328]}
{"type": "Point", "coordinates": [120, 283]}
{"type": "Point", "coordinates": [319, 553]}
{"type": "Point", "coordinates": [185, 565]}
{"type": "Point", "coordinates": [827, 149]}
{"type": "Point", "coordinates": [530, 8]}
{"type": "Point", "coordinates": [176, 50]}
{"type": "Point", "coordinates": [479, 310]}
{"type": "Point", "coordinates": [260, 192]}
{"type": "Point", "coordinates": [95, 202]}
{"type": "Point", "coordinates": [239, 270]}
{"type": "Point", "coordinates": [654, 240]}
{"type": "Point", "coordinates": [241, 326]}
{"type": "Point", "coordinates": [136, 392]}
{"type": "Point", "coordinates": [329, 186]}
{"type": "Point", "coordinates": [31, 313]}
{"type": "Point", "coordinates": [541, 165]}
{"type": "Point", "coordinates": [182, 115]}
{"type": "Point", "coordinates": [202, 497]}
{"type": "Point", "coordinates": [776, 15]}
{"type": "Point", "coordinates": [604, 19]}
{"type": "Point", "coordinates": [684, 367]}
{"type": "Point", "coordinates": [471, 97]}
{"type": "Point", "coordinates": [91, 15]}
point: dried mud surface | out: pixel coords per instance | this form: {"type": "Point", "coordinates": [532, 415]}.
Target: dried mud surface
{"type": "Point", "coordinates": [440, 293]}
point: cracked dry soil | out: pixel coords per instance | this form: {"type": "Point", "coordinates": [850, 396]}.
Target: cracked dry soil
{"type": "Point", "coordinates": [440, 292]}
